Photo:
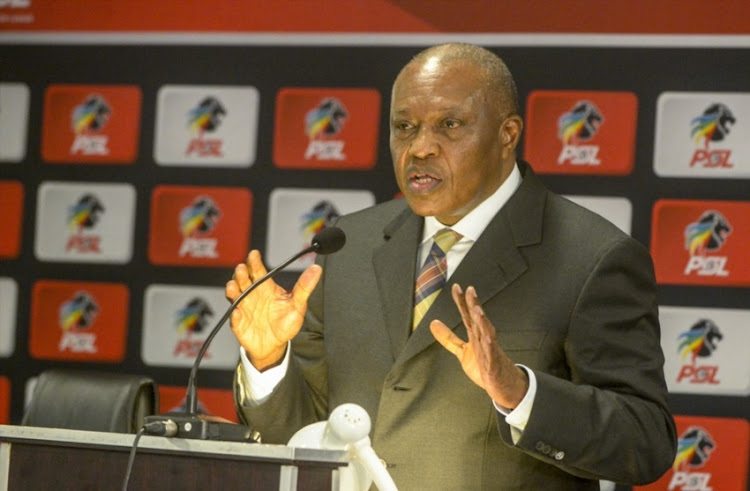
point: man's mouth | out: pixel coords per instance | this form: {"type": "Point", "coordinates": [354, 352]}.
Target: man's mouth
{"type": "Point", "coordinates": [422, 182]}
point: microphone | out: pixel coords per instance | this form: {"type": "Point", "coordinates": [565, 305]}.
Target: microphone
{"type": "Point", "coordinates": [190, 425]}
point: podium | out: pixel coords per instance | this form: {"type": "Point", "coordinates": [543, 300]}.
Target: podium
{"type": "Point", "coordinates": [34, 458]}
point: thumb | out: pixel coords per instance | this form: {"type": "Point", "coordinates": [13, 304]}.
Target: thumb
{"type": "Point", "coordinates": [446, 337]}
{"type": "Point", "coordinates": [305, 285]}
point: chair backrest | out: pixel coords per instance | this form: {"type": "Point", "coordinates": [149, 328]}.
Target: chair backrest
{"type": "Point", "coordinates": [90, 400]}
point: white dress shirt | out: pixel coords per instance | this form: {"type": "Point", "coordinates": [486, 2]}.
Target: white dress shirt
{"type": "Point", "coordinates": [259, 385]}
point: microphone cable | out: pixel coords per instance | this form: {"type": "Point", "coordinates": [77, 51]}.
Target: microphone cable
{"type": "Point", "coordinates": [157, 428]}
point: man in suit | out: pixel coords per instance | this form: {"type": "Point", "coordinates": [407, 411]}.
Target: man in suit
{"type": "Point", "coordinates": [538, 364]}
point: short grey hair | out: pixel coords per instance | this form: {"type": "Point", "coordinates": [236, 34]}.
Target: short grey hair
{"type": "Point", "coordinates": [498, 76]}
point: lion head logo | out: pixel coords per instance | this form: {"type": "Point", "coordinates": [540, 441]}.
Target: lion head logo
{"type": "Point", "coordinates": [707, 234]}
{"type": "Point", "coordinates": [321, 216]}
{"type": "Point", "coordinates": [85, 213]}
{"type": "Point", "coordinates": [78, 313]}
{"type": "Point", "coordinates": [91, 115]}
{"type": "Point", "coordinates": [200, 217]}
{"type": "Point", "coordinates": [193, 317]}
{"type": "Point", "coordinates": [700, 341]}
{"type": "Point", "coordinates": [326, 119]}
{"type": "Point", "coordinates": [713, 125]}
{"type": "Point", "coordinates": [694, 448]}
{"type": "Point", "coordinates": [206, 116]}
{"type": "Point", "coordinates": [580, 124]}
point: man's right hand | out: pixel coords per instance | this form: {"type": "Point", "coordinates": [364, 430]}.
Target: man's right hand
{"type": "Point", "coordinates": [269, 317]}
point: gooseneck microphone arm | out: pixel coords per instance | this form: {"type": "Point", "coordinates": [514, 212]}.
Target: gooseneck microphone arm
{"type": "Point", "coordinates": [327, 241]}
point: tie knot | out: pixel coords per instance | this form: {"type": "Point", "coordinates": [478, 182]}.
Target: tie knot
{"type": "Point", "coordinates": [446, 238]}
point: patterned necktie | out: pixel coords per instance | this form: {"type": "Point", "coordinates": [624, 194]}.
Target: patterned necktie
{"type": "Point", "coordinates": [433, 274]}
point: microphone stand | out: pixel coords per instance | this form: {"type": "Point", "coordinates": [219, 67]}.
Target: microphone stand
{"type": "Point", "coordinates": [190, 424]}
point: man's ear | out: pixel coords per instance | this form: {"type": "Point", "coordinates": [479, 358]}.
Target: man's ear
{"type": "Point", "coordinates": [510, 135]}
{"type": "Point", "coordinates": [510, 131]}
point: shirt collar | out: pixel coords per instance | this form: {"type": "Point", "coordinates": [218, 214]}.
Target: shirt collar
{"type": "Point", "coordinates": [473, 224]}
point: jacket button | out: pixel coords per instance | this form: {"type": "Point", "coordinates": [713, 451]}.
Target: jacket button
{"type": "Point", "coordinates": [560, 455]}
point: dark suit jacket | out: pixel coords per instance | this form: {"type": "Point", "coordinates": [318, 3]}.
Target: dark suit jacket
{"type": "Point", "coordinates": [571, 297]}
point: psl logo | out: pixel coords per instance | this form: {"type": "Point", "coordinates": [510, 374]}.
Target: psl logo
{"type": "Point", "coordinates": [82, 216]}
{"type": "Point", "coordinates": [88, 119]}
{"type": "Point", "coordinates": [579, 125]}
{"type": "Point", "coordinates": [75, 317]}
{"type": "Point", "coordinates": [190, 319]}
{"type": "Point", "coordinates": [205, 118]}
{"type": "Point", "coordinates": [712, 126]}
{"type": "Point", "coordinates": [699, 342]}
{"type": "Point", "coordinates": [708, 234]}
{"type": "Point", "coordinates": [322, 123]}
{"type": "Point", "coordinates": [694, 449]}
{"type": "Point", "coordinates": [197, 219]}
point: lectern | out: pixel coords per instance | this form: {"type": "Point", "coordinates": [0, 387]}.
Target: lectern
{"type": "Point", "coordinates": [47, 458]}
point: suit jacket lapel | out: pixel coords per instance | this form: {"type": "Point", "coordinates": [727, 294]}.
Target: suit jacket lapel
{"type": "Point", "coordinates": [493, 262]}
{"type": "Point", "coordinates": [395, 264]}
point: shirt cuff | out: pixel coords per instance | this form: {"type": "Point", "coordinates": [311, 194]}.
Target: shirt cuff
{"type": "Point", "coordinates": [258, 386]}
{"type": "Point", "coordinates": [518, 418]}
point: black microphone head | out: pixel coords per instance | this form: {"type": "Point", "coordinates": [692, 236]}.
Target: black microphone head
{"type": "Point", "coordinates": [329, 240]}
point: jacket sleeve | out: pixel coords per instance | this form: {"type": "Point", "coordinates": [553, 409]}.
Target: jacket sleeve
{"type": "Point", "coordinates": [610, 420]}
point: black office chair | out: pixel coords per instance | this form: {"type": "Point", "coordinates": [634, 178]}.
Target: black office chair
{"type": "Point", "coordinates": [90, 400]}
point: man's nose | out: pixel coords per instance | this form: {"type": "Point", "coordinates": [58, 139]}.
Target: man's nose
{"type": "Point", "coordinates": [424, 144]}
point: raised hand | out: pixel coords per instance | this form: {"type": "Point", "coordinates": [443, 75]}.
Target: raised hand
{"type": "Point", "coordinates": [481, 357]}
{"type": "Point", "coordinates": [270, 316]}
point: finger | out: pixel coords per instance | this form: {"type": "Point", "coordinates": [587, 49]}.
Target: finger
{"type": "Point", "coordinates": [447, 338]}
{"type": "Point", "coordinates": [483, 339]}
{"type": "Point", "coordinates": [472, 304]}
{"type": "Point", "coordinates": [483, 327]}
{"type": "Point", "coordinates": [255, 265]}
{"type": "Point", "coordinates": [460, 301]}
{"type": "Point", "coordinates": [241, 276]}
{"type": "Point", "coordinates": [305, 286]}
{"type": "Point", "coordinates": [232, 290]}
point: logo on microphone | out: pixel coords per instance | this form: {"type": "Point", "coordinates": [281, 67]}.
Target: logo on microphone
{"type": "Point", "coordinates": [322, 124]}
{"type": "Point", "coordinates": [699, 342]}
{"type": "Point", "coordinates": [710, 127]}
{"type": "Point", "coordinates": [576, 127]}
{"type": "Point", "coordinates": [205, 118]}
{"type": "Point", "coordinates": [75, 318]}
{"type": "Point", "coordinates": [707, 234]}
{"type": "Point", "coordinates": [192, 319]}
{"type": "Point", "coordinates": [196, 220]}
{"type": "Point", "coordinates": [82, 217]}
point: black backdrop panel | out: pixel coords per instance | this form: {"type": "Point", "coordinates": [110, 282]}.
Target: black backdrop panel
{"type": "Point", "coordinates": [644, 71]}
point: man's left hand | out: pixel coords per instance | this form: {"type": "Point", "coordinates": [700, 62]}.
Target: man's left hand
{"type": "Point", "coordinates": [481, 357]}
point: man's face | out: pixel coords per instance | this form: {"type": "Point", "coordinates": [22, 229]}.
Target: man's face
{"type": "Point", "coordinates": [450, 145]}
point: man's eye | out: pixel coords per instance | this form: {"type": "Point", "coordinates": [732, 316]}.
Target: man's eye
{"type": "Point", "coordinates": [451, 123]}
{"type": "Point", "coordinates": [403, 126]}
